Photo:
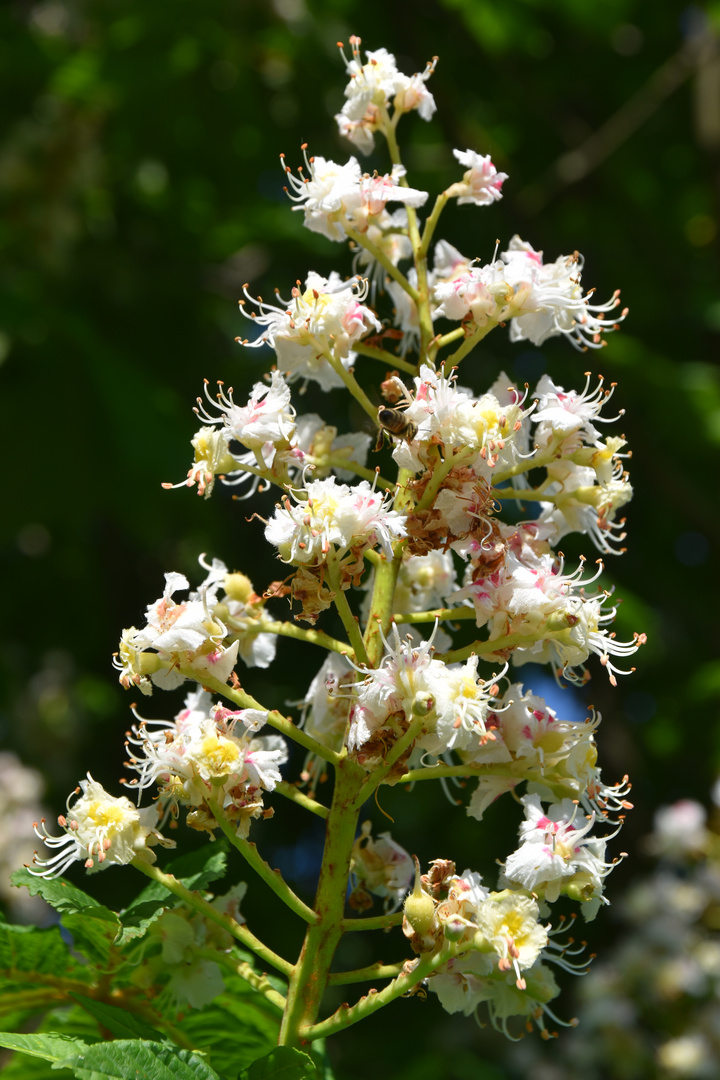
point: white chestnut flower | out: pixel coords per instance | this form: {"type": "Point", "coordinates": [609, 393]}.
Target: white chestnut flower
{"type": "Point", "coordinates": [208, 750]}
{"type": "Point", "coordinates": [482, 183]}
{"type": "Point", "coordinates": [373, 88]}
{"type": "Point", "coordinates": [178, 633]}
{"type": "Point", "coordinates": [327, 318]}
{"type": "Point", "coordinates": [549, 299]}
{"type": "Point", "coordinates": [268, 416]}
{"type": "Point", "coordinates": [557, 854]}
{"type": "Point", "coordinates": [100, 830]}
{"type": "Point", "coordinates": [333, 196]}
{"type": "Point", "coordinates": [509, 923]}
{"type": "Point", "coordinates": [335, 516]}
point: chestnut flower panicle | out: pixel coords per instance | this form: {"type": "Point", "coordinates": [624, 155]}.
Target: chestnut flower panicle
{"type": "Point", "coordinates": [413, 685]}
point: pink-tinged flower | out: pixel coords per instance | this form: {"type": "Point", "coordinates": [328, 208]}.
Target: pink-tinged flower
{"type": "Point", "coordinates": [100, 830]}
{"type": "Point", "coordinates": [333, 196]}
{"type": "Point", "coordinates": [565, 411]}
{"type": "Point", "coordinates": [326, 319]}
{"type": "Point", "coordinates": [548, 299]}
{"type": "Point", "coordinates": [178, 633]}
{"type": "Point", "coordinates": [268, 416]}
{"type": "Point", "coordinates": [447, 414]}
{"type": "Point", "coordinates": [373, 88]}
{"type": "Point", "coordinates": [482, 183]}
{"type": "Point", "coordinates": [556, 853]}
{"type": "Point", "coordinates": [410, 682]}
{"type": "Point", "coordinates": [208, 751]}
{"type": "Point", "coordinates": [680, 830]}
{"type": "Point", "coordinates": [335, 516]}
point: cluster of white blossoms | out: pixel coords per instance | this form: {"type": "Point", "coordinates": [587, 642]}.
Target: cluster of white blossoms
{"type": "Point", "coordinates": [198, 637]}
{"type": "Point", "coordinates": [208, 751]}
{"type": "Point", "coordinates": [376, 86]}
{"type": "Point", "coordinates": [434, 592]}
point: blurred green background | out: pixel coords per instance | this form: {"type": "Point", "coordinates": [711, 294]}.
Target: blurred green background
{"type": "Point", "coordinates": [140, 188]}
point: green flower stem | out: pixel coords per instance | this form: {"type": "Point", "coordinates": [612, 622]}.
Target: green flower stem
{"type": "Point", "coordinates": [588, 494]}
{"type": "Point", "coordinates": [55, 982]}
{"type": "Point", "coordinates": [352, 627]}
{"type": "Point", "coordinates": [377, 776]}
{"type": "Point", "coordinates": [422, 297]}
{"type": "Point", "coordinates": [441, 614]}
{"type": "Point", "coordinates": [378, 624]}
{"type": "Point", "coordinates": [371, 1002]}
{"type": "Point", "coordinates": [57, 990]}
{"type": "Point", "coordinates": [243, 700]}
{"type": "Point", "coordinates": [498, 645]}
{"type": "Point", "coordinates": [337, 461]}
{"type": "Point", "coordinates": [452, 335]}
{"type": "Point", "coordinates": [272, 878]}
{"type": "Point", "coordinates": [353, 386]}
{"type": "Point", "coordinates": [375, 922]}
{"type": "Point", "coordinates": [299, 797]}
{"type": "Point", "coordinates": [310, 974]}
{"type": "Point", "coordinates": [377, 253]}
{"type": "Point", "coordinates": [386, 574]}
{"type": "Point", "coordinates": [195, 901]}
{"type": "Point", "coordinates": [261, 983]}
{"type": "Point", "coordinates": [366, 974]}
{"type": "Point", "coordinates": [385, 357]}
{"type": "Point", "coordinates": [529, 494]}
{"type": "Point", "coordinates": [467, 346]}
{"type": "Point", "coordinates": [435, 772]}
{"type": "Point", "coordinates": [299, 633]}
{"type": "Point", "coordinates": [431, 223]}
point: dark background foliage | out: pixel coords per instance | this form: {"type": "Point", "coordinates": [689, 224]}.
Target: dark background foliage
{"type": "Point", "coordinates": [141, 188]}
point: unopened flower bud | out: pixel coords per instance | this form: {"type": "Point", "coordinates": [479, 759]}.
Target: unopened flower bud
{"type": "Point", "coordinates": [419, 907]}
{"type": "Point", "coordinates": [423, 703]}
{"type": "Point", "coordinates": [581, 887]}
{"type": "Point", "coordinates": [239, 587]}
{"type": "Point", "coordinates": [559, 620]}
{"type": "Point", "coordinates": [455, 927]}
{"type": "Point", "coordinates": [481, 943]}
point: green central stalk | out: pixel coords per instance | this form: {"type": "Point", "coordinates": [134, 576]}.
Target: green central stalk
{"type": "Point", "coordinates": [310, 974]}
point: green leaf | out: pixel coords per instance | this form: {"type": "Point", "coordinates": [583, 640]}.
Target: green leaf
{"type": "Point", "coordinates": [48, 1047]}
{"type": "Point", "coordinates": [119, 1022]}
{"type": "Point", "coordinates": [58, 892]}
{"type": "Point", "coordinates": [196, 870]}
{"type": "Point", "coordinates": [93, 931]}
{"type": "Point", "coordinates": [23, 1067]}
{"type": "Point", "coordinates": [238, 1027]}
{"type": "Point", "coordinates": [139, 917]}
{"type": "Point", "coordinates": [282, 1063]}
{"type": "Point", "coordinates": [135, 1060]}
{"type": "Point", "coordinates": [73, 1023]}
{"type": "Point", "coordinates": [26, 948]}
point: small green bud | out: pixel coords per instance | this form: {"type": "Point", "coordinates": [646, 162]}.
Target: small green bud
{"type": "Point", "coordinates": [423, 703]}
{"type": "Point", "coordinates": [239, 587]}
{"type": "Point", "coordinates": [419, 908]}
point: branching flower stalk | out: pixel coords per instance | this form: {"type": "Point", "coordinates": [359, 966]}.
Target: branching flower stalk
{"type": "Point", "coordinates": [428, 550]}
